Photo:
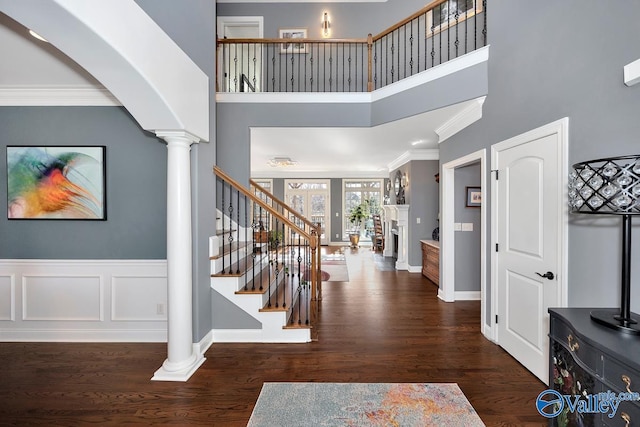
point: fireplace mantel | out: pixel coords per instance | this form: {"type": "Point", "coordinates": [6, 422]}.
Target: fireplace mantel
{"type": "Point", "coordinates": [399, 214]}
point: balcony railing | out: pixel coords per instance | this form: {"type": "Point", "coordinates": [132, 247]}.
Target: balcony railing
{"type": "Point", "coordinates": [443, 30]}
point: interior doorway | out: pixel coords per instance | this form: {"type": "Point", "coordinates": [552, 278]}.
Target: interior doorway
{"type": "Point", "coordinates": [240, 65]}
{"type": "Point", "coordinates": [448, 197]}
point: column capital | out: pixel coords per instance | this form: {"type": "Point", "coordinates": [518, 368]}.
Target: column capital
{"type": "Point", "coordinates": [177, 136]}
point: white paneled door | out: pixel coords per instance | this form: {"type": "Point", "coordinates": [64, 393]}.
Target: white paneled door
{"type": "Point", "coordinates": [529, 223]}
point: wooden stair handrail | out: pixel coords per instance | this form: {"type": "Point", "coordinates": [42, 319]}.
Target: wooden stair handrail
{"type": "Point", "coordinates": [284, 205]}
{"type": "Point", "coordinates": [408, 19]}
{"type": "Point", "coordinates": [301, 41]}
{"type": "Point", "coordinates": [221, 174]}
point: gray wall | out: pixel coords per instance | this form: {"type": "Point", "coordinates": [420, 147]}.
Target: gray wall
{"type": "Point", "coordinates": [136, 201]}
{"type": "Point", "coordinates": [565, 59]}
{"type": "Point", "coordinates": [422, 196]}
{"type": "Point", "coordinates": [467, 242]}
{"type": "Point", "coordinates": [348, 20]}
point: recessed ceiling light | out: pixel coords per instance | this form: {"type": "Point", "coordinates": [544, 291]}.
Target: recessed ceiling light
{"type": "Point", "coordinates": [38, 36]}
{"type": "Point", "coordinates": [420, 141]}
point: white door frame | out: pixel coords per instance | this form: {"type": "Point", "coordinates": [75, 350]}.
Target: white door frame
{"type": "Point", "coordinates": [561, 128]}
{"type": "Point", "coordinates": [447, 240]}
{"type": "Point", "coordinates": [235, 21]}
{"type": "Point", "coordinates": [327, 222]}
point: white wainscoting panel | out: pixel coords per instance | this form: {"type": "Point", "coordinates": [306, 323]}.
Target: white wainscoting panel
{"type": "Point", "coordinates": [83, 300]}
{"type": "Point", "coordinates": [7, 292]}
{"type": "Point", "coordinates": [137, 298]}
{"type": "Point", "coordinates": [62, 298]}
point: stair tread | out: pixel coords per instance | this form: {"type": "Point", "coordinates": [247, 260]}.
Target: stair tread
{"type": "Point", "coordinates": [226, 249]}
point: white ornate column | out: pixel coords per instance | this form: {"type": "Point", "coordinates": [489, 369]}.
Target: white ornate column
{"type": "Point", "coordinates": [182, 361]}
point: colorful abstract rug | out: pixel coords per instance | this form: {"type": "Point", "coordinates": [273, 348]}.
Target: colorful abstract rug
{"type": "Point", "coordinates": [360, 405]}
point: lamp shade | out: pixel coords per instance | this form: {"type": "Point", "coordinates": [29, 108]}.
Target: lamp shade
{"type": "Point", "coordinates": [606, 186]}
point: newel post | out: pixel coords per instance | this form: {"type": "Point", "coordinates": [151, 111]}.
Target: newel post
{"type": "Point", "coordinates": [182, 361]}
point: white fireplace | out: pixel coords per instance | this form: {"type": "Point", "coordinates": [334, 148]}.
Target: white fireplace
{"type": "Point", "coordinates": [399, 214]}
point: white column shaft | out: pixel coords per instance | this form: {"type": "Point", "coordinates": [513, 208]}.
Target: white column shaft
{"type": "Point", "coordinates": [179, 258]}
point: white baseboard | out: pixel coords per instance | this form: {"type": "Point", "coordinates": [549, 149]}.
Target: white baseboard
{"type": "Point", "coordinates": [461, 295]}
{"type": "Point", "coordinates": [467, 295]}
{"type": "Point", "coordinates": [82, 335]}
{"type": "Point", "coordinates": [83, 300]}
{"type": "Point", "coordinates": [415, 269]}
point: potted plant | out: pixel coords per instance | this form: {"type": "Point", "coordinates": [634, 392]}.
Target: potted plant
{"type": "Point", "coordinates": [356, 216]}
{"type": "Point", "coordinates": [275, 239]}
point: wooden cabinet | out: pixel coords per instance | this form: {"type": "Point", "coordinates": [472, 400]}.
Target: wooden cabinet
{"type": "Point", "coordinates": [586, 358]}
{"type": "Point", "coordinates": [431, 260]}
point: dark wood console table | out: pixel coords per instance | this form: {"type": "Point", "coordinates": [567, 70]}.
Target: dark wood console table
{"type": "Point", "coordinates": [586, 358]}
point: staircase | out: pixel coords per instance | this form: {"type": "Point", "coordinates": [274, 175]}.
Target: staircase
{"type": "Point", "coordinates": [265, 259]}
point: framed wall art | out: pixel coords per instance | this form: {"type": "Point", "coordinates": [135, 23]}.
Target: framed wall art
{"type": "Point", "coordinates": [474, 197]}
{"type": "Point", "coordinates": [293, 33]}
{"type": "Point", "coordinates": [56, 182]}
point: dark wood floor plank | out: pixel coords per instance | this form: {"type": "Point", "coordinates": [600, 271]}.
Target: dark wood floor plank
{"type": "Point", "coordinates": [381, 326]}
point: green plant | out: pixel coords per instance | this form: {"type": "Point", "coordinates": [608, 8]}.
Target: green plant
{"type": "Point", "coordinates": [275, 239]}
{"type": "Point", "coordinates": [358, 214]}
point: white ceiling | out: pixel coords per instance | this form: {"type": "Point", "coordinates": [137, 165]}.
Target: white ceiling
{"type": "Point", "coordinates": [320, 152]}
{"type": "Point", "coordinates": [349, 152]}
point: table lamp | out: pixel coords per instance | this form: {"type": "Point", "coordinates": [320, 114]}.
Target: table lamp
{"type": "Point", "coordinates": [611, 186]}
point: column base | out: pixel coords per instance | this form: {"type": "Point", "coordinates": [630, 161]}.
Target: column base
{"type": "Point", "coordinates": [182, 374]}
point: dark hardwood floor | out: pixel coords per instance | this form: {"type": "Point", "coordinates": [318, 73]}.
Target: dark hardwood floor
{"type": "Point", "coordinates": [381, 326]}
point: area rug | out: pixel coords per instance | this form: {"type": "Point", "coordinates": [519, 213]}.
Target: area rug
{"type": "Point", "coordinates": [360, 405]}
{"type": "Point", "coordinates": [333, 268]}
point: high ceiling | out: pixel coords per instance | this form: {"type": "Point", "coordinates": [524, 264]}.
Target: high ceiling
{"type": "Point", "coordinates": [30, 64]}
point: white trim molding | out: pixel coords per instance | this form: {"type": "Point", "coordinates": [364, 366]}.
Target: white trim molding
{"type": "Point", "coordinates": [632, 73]}
{"type": "Point", "coordinates": [447, 290]}
{"type": "Point", "coordinates": [56, 96]}
{"type": "Point", "coordinates": [407, 156]}
{"type": "Point", "coordinates": [464, 118]}
{"type": "Point", "coordinates": [83, 300]}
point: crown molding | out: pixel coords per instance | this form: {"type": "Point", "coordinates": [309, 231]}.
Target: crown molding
{"type": "Point", "coordinates": [54, 96]}
{"type": "Point", "coordinates": [407, 156]}
{"type": "Point", "coordinates": [632, 73]}
{"type": "Point", "coordinates": [461, 120]}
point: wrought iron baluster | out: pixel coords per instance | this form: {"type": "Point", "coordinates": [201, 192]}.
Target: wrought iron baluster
{"type": "Point", "coordinates": [292, 80]}
{"type": "Point", "coordinates": [235, 68]}
{"type": "Point", "coordinates": [484, 27]}
{"type": "Point", "coordinates": [331, 68]}
{"type": "Point", "coordinates": [238, 234]}
{"type": "Point", "coordinates": [246, 237]}
{"type": "Point", "coordinates": [457, 16]}
{"type": "Point", "coordinates": [262, 251]}
{"type": "Point", "coordinates": [410, 50]}
{"type": "Point", "coordinates": [317, 46]}
{"type": "Point", "coordinates": [222, 231]}
{"type": "Point", "coordinates": [349, 73]}
{"type": "Point", "coordinates": [440, 37]}
{"type": "Point", "coordinates": [466, 31]}
{"type": "Point", "coordinates": [230, 238]}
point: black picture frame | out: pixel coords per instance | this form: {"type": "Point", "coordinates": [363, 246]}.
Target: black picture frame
{"type": "Point", "coordinates": [474, 197]}
{"type": "Point", "coordinates": [56, 182]}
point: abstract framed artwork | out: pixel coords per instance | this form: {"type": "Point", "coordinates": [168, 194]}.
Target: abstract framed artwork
{"type": "Point", "coordinates": [56, 182]}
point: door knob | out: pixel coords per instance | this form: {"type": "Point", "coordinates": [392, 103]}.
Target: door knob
{"type": "Point", "coordinates": [549, 275]}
